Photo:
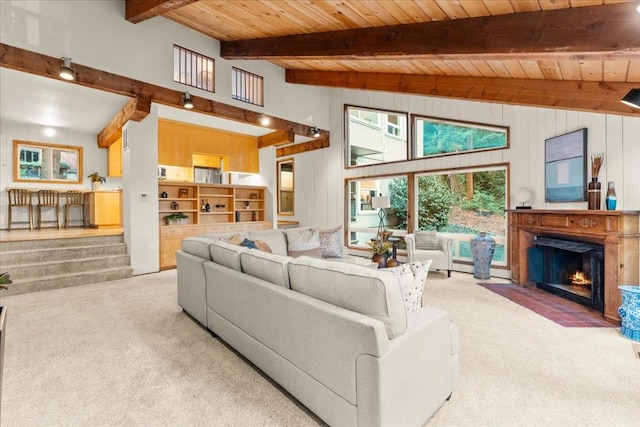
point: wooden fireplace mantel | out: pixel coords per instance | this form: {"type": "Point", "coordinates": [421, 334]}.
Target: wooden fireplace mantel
{"type": "Point", "coordinates": [617, 231]}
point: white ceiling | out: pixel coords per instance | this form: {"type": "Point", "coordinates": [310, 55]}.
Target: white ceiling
{"type": "Point", "coordinates": [27, 98]}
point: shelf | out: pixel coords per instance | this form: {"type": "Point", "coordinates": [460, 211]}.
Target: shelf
{"type": "Point", "coordinates": [230, 196]}
{"type": "Point", "coordinates": [216, 213]}
{"type": "Point", "coordinates": [249, 210]}
{"type": "Point", "coordinates": [175, 199]}
{"type": "Point", "coordinates": [176, 210]}
{"type": "Point", "coordinates": [249, 200]}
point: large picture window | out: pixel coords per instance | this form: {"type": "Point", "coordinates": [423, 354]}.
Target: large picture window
{"type": "Point", "coordinates": [435, 137]}
{"type": "Point", "coordinates": [364, 218]}
{"type": "Point", "coordinates": [375, 136]}
{"type": "Point", "coordinates": [461, 204]}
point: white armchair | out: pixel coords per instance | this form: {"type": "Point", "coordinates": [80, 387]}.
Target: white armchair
{"type": "Point", "coordinates": [439, 252]}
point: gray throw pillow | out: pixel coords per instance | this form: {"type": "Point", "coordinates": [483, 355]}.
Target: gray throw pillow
{"type": "Point", "coordinates": [427, 240]}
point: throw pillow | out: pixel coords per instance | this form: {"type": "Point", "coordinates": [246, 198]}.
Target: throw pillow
{"type": "Point", "coordinates": [303, 241]}
{"type": "Point", "coordinates": [256, 244]}
{"type": "Point", "coordinates": [427, 240]}
{"type": "Point", "coordinates": [331, 242]}
{"type": "Point", "coordinates": [412, 278]}
{"type": "Point", "coordinates": [236, 239]}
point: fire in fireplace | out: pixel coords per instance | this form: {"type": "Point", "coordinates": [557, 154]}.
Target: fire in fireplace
{"type": "Point", "coordinates": [570, 269]}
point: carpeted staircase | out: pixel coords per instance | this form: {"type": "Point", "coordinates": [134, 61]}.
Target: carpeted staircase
{"type": "Point", "coordinates": [38, 265]}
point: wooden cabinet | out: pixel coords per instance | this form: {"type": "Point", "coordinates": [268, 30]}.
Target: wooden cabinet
{"type": "Point", "coordinates": [114, 159]}
{"type": "Point", "coordinates": [232, 208]}
{"type": "Point", "coordinates": [105, 209]}
{"type": "Point", "coordinates": [179, 143]}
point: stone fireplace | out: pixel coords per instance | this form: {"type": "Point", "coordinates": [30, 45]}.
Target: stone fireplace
{"type": "Point", "coordinates": [613, 235]}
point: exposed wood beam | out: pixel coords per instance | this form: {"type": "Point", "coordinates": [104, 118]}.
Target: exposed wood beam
{"type": "Point", "coordinates": [141, 10]}
{"type": "Point", "coordinates": [603, 97]}
{"type": "Point", "coordinates": [48, 66]}
{"type": "Point", "coordinates": [135, 109]}
{"type": "Point", "coordinates": [316, 144]}
{"type": "Point", "coordinates": [595, 30]}
{"type": "Point", "coordinates": [279, 137]}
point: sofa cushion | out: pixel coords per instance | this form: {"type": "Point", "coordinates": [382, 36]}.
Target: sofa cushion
{"type": "Point", "coordinates": [198, 246]}
{"type": "Point", "coordinates": [412, 278]}
{"type": "Point", "coordinates": [227, 254]}
{"type": "Point", "coordinates": [427, 240]}
{"type": "Point", "coordinates": [266, 266]}
{"type": "Point", "coordinates": [331, 242]}
{"type": "Point", "coordinates": [370, 292]}
{"type": "Point", "coordinates": [303, 241]}
{"type": "Point", "coordinates": [274, 238]}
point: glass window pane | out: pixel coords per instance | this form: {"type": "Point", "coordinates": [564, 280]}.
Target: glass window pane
{"type": "Point", "coordinates": [364, 219]}
{"type": "Point", "coordinates": [375, 136]}
{"type": "Point", "coordinates": [462, 204]}
{"type": "Point", "coordinates": [436, 137]}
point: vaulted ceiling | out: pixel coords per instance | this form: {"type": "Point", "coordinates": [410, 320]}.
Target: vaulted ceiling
{"type": "Point", "coordinates": [577, 54]}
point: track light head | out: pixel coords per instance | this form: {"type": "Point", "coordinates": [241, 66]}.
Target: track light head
{"type": "Point", "coordinates": [632, 99]}
{"type": "Point", "coordinates": [265, 120]}
{"type": "Point", "coordinates": [315, 131]}
{"type": "Point", "coordinates": [186, 101]}
{"type": "Point", "coordinates": [66, 69]}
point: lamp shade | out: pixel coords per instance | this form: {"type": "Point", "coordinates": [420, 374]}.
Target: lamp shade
{"type": "Point", "coordinates": [632, 98]}
{"type": "Point", "coordinates": [380, 202]}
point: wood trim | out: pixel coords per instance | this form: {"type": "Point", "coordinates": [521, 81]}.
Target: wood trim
{"type": "Point", "coordinates": [602, 97]}
{"type": "Point", "coordinates": [279, 137]}
{"type": "Point", "coordinates": [135, 109]}
{"type": "Point", "coordinates": [302, 147]}
{"type": "Point", "coordinates": [140, 10]}
{"type": "Point", "coordinates": [597, 31]}
{"type": "Point", "coordinates": [47, 66]}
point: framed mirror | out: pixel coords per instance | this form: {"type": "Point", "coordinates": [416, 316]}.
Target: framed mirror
{"type": "Point", "coordinates": [39, 162]}
{"type": "Point", "coordinates": [285, 186]}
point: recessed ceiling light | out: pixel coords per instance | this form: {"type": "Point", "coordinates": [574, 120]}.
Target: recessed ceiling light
{"type": "Point", "coordinates": [264, 120]}
{"type": "Point", "coordinates": [49, 132]}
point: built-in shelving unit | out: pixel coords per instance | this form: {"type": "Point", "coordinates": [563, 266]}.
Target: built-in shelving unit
{"type": "Point", "coordinates": [232, 208]}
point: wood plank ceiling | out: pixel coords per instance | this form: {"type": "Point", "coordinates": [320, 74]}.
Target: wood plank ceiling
{"type": "Point", "coordinates": [578, 54]}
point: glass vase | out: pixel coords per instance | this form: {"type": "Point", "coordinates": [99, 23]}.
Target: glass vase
{"type": "Point", "coordinates": [611, 199]}
{"type": "Point", "coordinates": [593, 194]}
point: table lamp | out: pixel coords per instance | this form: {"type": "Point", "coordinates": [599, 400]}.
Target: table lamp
{"type": "Point", "coordinates": [381, 203]}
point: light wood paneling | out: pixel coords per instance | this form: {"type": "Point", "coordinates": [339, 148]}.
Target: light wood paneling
{"type": "Point", "coordinates": [178, 141]}
{"type": "Point", "coordinates": [105, 209]}
{"type": "Point", "coordinates": [114, 159]}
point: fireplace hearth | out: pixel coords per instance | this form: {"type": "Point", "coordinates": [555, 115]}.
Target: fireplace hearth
{"type": "Point", "coordinates": [570, 269]}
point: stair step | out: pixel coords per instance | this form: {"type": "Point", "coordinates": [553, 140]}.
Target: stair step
{"type": "Point", "coordinates": [22, 271]}
{"type": "Point", "coordinates": [23, 245]}
{"type": "Point", "coordinates": [19, 257]}
{"type": "Point", "coordinates": [45, 283]}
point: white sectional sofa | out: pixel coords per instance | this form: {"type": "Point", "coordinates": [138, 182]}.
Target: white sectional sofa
{"type": "Point", "coordinates": [335, 335]}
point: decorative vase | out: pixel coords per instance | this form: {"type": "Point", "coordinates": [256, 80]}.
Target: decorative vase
{"type": "Point", "coordinates": [629, 312]}
{"type": "Point", "coordinates": [95, 185]}
{"type": "Point", "coordinates": [381, 259]}
{"type": "Point", "coordinates": [611, 199]}
{"type": "Point", "coordinates": [482, 248]}
{"type": "Point", "coordinates": [593, 194]}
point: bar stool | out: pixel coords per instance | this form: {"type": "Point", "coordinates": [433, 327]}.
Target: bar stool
{"type": "Point", "coordinates": [20, 198]}
{"type": "Point", "coordinates": [76, 199]}
{"type": "Point", "coordinates": [48, 199]}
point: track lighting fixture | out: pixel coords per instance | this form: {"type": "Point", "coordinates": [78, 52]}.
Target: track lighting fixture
{"type": "Point", "coordinates": [315, 131]}
{"type": "Point", "coordinates": [66, 69]}
{"type": "Point", "coordinates": [265, 120]}
{"type": "Point", "coordinates": [632, 98]}
{"type": "Point", "coordinates": [186, 101]}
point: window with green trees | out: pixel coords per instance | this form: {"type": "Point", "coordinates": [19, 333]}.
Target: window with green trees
{"type": "Point", "coordinates": [459, 204]}
{"type": "Point", "coordinates": [437, 137]}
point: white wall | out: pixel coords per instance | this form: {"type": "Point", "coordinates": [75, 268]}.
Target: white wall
{"type": "Point", "coordinates": [95, 159]}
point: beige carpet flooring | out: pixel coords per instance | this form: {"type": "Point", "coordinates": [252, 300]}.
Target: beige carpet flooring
{"type": "Point", "coordinates": [123, 353]}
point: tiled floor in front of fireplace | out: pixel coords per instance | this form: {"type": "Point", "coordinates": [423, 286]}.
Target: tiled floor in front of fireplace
{"type": "Point", "coordinates": [559, 310]}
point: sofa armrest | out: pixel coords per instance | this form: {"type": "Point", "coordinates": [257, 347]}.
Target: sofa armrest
{"type": "Point", "coordinates": [445, 243]}
{"type": "Point", "coordinates": [418, 373]}
{"type": "Point", "coordinates": [410, 239]}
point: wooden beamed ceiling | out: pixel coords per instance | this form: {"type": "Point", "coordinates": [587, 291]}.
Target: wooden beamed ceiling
{"type": "Point", "coordinates": [142, 94]}
{"type": "Point", "coordinates": [581, 55]}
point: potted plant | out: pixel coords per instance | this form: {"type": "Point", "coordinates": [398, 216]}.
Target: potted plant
{"type": "Point", "coordinates": [176, 218]}
{"type": "Point", "coordinates": [96, 180]}
{"type": "Point", "coordinates": [4, 281]}
{"type": "Point", "coordinates": [380, 249]}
